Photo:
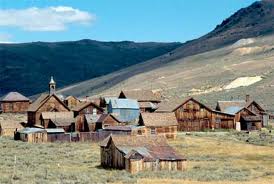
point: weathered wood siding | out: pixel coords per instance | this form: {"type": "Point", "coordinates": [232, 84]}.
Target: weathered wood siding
{"type": "Point", "coordinates": [111, 157]}
{"type": "Point", "coordinates": [192, 116]}
{"type": "Point", "coordinates": [14, 107]}
{"type": "Point", "coordinates": [170, 132]}
{"type": "Point", "coordinates": [34, 137]}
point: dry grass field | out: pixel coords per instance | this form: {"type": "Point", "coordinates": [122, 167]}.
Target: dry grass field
{"type": "Point", "coordinates": [212, 158]}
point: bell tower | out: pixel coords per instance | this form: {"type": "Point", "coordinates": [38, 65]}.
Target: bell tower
{"type": "Point", "coordinates": [52, 86]}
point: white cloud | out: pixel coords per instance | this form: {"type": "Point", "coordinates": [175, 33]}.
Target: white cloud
{"type": "Point", "coordinates": [45, 19]}
{"type": "Point", "coordinates": [5, 38]}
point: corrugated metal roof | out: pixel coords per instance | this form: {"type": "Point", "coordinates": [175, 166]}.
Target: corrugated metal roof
{"type": "Point", "coordinates": [31, 130]}
{"type": "Point", "coordinates": [124, 104]}
{"type": "Point", "coordinates": [232, 109]}
{"type": "Point", "coordinates": [13, 97]}
{"type": "Point", "coordinates": [223, 105]}
{"type": "Point", "coordinates": [55, 130]}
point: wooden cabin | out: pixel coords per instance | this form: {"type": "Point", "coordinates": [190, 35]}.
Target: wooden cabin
{"type": "Point", "coordinates": [45, 103]}
{"type": "Point", "coordinates": [7, 128]}
{"type": "Point", "coordinates": [71, 101]}
{"type": "Point", "coordinates": [160, 123]}
{"type": "Point", "coordinates": [140, 153]}
{"type": "Point", "coordinates": [125, 110]}
{"type": "Point", "coordinates": [32, 135]}
{"type": "Point", "coordinates": [63, 120]}
{"type": "Point", "coordinates": [147, 99]}
{"type": "Point", "coordinates": [14, 102]}
{"type": "Point", "coordinates": [85, 108]}
{"type": "Point", "coordinates": [95, 122]}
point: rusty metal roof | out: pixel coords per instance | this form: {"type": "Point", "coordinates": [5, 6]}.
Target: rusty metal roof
{"type": "Point", "coordinates": [59, 118]}
{"type": "Point", "coordinates": [152, 147]}
{"type": "Point", "coordinates": [159, 119]}
{"type": "Point", "coordinates": [14, 97]}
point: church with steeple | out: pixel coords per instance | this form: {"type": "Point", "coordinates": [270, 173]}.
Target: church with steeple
{"type": "Point", "coordinates": [44, 106]}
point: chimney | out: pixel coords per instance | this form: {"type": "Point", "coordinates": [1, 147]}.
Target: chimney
{"type": "Point", "coordinates": [247, 98]}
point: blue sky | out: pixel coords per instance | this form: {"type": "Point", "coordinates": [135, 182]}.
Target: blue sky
{"type": "Point", "coordinates": [112, 20]}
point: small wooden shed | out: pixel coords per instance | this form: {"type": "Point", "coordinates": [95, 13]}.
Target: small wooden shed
{"type": "Point", "coordinates": [160, 123]}
{"type": "Point", "coordinates": [32, 135]}
{"type": "Point", "coordinates": [140, 153]}
{"type": "Point", "coordinates": [14, 102]}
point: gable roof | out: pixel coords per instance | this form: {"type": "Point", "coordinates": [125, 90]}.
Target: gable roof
{"type": "Point", "coordinates": [147, 105]}
{"type": "Point", "coordinates": [140, 95]}
{"type": "Point", "coordinates": [11, 125]}
{"type": "Point", "coordinates": [124, 104]}
{"type": "Point", "coordinates": [151, 147]}
{"type": "Point", "coordinates": [83, 105]}
{"type": "Point", "coordinates": [14, 97]}
{"type": "Point", "coordinates": [71, 97]}
{"type": "Point", "coordinates": [42, 100]}
{"type": "Point", "coordinates": [196, 101]}
{"type": "Point", "coordinates": [256, 104]}
{"type": "Point", "coordinates": [159, 119]}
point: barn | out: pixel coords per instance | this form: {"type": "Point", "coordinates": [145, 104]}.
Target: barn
{"type": "Point", "coordinates": [160, 123]}
{"type": "Point", "coordinates": [14, 102]}
{"type": "Point", "coordinates": [147, 99]}
{"type": "Point", "coordinates": [85, 108]}
{"type": "Point", "coordinates": [64, 120]}
{"type": "Point", "coordinates": [126, 110]}
{"type": "Point", "coordinates": [95, 122]}
{"type": "Point", "coordinates": [140, 153]}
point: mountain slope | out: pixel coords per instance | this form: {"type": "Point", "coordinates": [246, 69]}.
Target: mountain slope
{"type": "Point", "coordinates": [253, 21]}
{"type": "Point", "coordinates": [27, 67]}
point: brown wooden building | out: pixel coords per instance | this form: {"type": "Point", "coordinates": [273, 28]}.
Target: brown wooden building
{"type": "Point", "coordinates": [7, 128]}
{"type": "Point", "coordinates": [71, 101]}
{"type": "Point", "coordinates": [132, 130]}
{"type": "Point", "coordinates": [192, 115]}
{"type": "Point", "coordinates": [140, 153]}
{"type": "Point", "coordinates": [160, 123]}
{"type": "Point", "coordinates": [45, 103]}
{"type": "Point", "coordinates": [14, 102]}
{"type": "Point", "coordinates": [148, 100]}
{"type": "Point", "coordinates": [64, 120]}
{"type": "Point", "coordinates": [95, 122]}
{"type": "Point", "coordinates": [83, 109]}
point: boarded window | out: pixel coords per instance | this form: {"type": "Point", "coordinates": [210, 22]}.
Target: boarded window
{"type": "Point", "coordinates": [153, 131]}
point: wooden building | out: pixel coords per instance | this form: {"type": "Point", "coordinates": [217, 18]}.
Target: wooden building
{"type": "Point", "coordinates": [85, 108]}
{"type": "Point", "coordinates": [14, 102]}
{"type": "Point", "coordinates": [32, 135]}
{"type": "Point", "coordinates": [160, 123]}
{"type": "Point", "coordinates": [95, 122]}
{"type": "Point", "coordinates": [140, 153]}
{"type": "Point", "coordinates": [192, 115]}
{"type": "Point", "coordinates": [64, 120]}
{"type": "Point", "coordinates": [45, 103]}
{"type": "Point", "coordinates": [7, 128]}
{"type": "Point", "coordinates": [147, 99]}
{"type": "Point", "coordinates": [71, 101]}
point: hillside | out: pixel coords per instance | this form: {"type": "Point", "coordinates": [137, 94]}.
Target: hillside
{"type": "Point", "coordinates": [27, 67]}
{"type": "Point", "coordinates": [241, 46]}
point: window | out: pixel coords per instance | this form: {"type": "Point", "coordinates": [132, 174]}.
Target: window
{"type": "Point", "coordinates": [11, 106]}
{"type": "Point", "coordinates": [139, 132]}
{"type": "Point", "coordinates": [106, 125]}
{"type": "Point", "coordinates": [94, 111]}
{"type": "Point", "coordinates": [153, 131]}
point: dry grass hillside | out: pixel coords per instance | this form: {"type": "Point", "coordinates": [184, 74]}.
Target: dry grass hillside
{"type": "Point", "coordinates": [246, 67]}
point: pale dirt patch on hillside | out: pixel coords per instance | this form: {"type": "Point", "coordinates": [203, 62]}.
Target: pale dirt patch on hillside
{"type": "Point", "coordinates": [248, 50]}
{"type": "Point", "coordinates": [243, 81]}
{"type": "Point", "coordinates": [243, 42]}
